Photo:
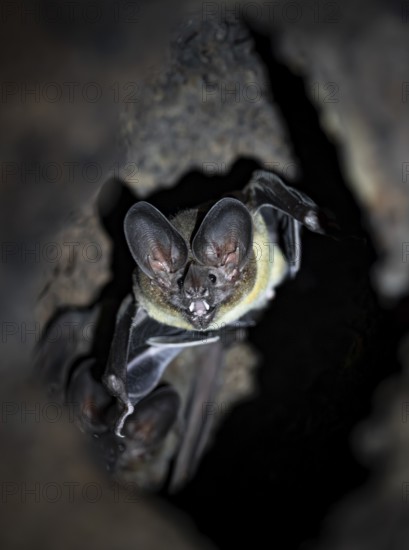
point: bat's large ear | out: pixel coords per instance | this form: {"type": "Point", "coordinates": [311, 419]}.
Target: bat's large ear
{"type": "Point", "coordinates": [225, 236]}
{"type": "Point", "coordinates": [156, 246]}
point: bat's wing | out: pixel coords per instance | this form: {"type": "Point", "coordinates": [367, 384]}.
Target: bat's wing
{"type": "Point", "coordinates": [141, 350]}
{"type": "Point", "coordinates": [285, 210]}
{"type": "Point", "coordinates": [197, 424]}
{"type": "Point", "coordinates": [268, 189]}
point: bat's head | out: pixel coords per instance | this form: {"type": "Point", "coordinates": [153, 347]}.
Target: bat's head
{"type": "Point", "coordinates": [195, 278]}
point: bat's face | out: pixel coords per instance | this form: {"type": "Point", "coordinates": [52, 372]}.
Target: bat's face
{"type": "Point", "coordinates": [195, 278]}
{"type": "Point", "coordinates": [200, 291]}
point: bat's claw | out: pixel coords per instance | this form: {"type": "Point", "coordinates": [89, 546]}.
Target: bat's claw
{"type": "Point", "coordinates": [121, 421]}
{"type": "Point", "coordinates": [312, 222]}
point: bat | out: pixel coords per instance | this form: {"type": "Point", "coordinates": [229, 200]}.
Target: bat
{"type": "Point", "coordinates": [204, 271]}
{"type": "Point", "coordinates": [209, 267]}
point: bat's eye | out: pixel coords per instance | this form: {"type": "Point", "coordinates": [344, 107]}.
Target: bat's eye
{"type": "Point", "coordinates": [179, 282]}
{"type": "Point", "coordinates": [212, 278]}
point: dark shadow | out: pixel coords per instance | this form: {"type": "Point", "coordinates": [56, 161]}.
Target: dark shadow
{"type": "Point", "coordinates": [281, 461]}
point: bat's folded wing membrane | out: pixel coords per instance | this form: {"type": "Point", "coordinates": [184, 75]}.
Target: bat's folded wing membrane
{"type": "Point", "coordinates": [141, 350]}
{"type": "Point", "coordinates": [292, 210]}
{"type": "Point", "coordinates": [268, 190]}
